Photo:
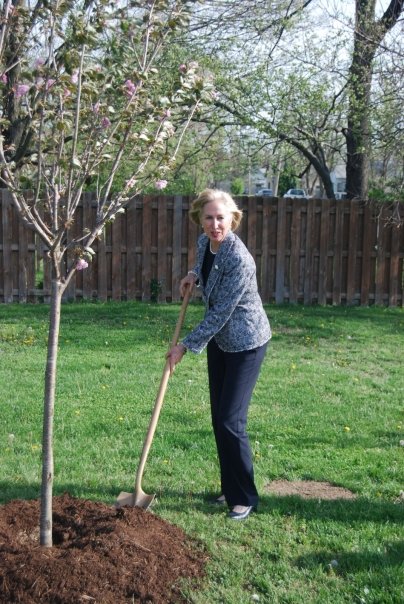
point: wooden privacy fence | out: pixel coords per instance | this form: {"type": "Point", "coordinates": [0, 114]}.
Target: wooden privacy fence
{"type": "Point", "coordinates": [306, 251]}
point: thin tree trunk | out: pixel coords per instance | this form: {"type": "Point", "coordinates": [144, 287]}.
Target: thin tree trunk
{"type": "Point", "coordinates": [49, 405]}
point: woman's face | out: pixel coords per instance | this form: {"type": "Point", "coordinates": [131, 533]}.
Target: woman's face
{"type": "Point", "coordinates": [216, 222]}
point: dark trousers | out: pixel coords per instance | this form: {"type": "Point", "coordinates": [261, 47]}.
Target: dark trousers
{"type": "Point", "coordinates": [232, 377]}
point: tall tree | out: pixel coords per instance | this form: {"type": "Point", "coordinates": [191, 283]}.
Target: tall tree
{"type": "Point", "coordinates": [290, 71]}
{"type": "Point", "coordinates": [81, 96]}
{"type": "Point", "coordinates": [368, 35]}
{"type": "Point", "coordinates": [268, 85]}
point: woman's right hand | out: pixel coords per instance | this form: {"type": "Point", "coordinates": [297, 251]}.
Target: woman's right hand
{"type": "Point", "coordinates": [188, 281]}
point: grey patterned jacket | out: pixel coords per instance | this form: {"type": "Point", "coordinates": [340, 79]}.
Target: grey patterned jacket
{"type": "Point", "coordinates": [234, 314]}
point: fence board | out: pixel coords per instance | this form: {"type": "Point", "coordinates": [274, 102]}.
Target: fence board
{"type": "Point", "coordinates": [309, 251]}
{"type": "Point", "coordinates": [352, 251]}
{"type": "Point", "coordinates": [366, 255]}
{"type": "Point", "coordinates": [88, 221]}
{"type": "Point", "coordinates": [294, 261]}
{"type": "Point", "coordinates": [116, 260]}
{"type": "Point", "coordinates": [280, 252]}
{"type": "Point", "coordinates": [131, 249]}
{"type": "Point", "coordinates": [265, 276]}
{"type": "Point", "coordinates": [322, 263]}
{"type": "Point", "coordinates": [396, 260]}
{"type": "Point", "coordinates": [7, 244]}
{"type": "Point", "coordinates": [252, 227]}
{"type": "Point", "coordinates": [162, 275]}
{"type": "Point", "coordinates": [23, 263]}
{"type": "Point", "coordinates": [337, 272]}
{"type": "Point", "coordinates": [381, 264]}
{"type": "Point", "coordinates": [310, 231]}
{"type": "Point", "coordinates": [176, 247]}
{"type": "Point", "coordinates": [146, 247]}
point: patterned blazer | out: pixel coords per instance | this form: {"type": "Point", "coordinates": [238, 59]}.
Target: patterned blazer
{"type": "Point", "coordinates": [234, 314]}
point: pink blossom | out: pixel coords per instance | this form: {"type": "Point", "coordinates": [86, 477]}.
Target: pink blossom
{"type": "Point", "coordinates": [49, 83]}
{"type": "Point", "coordinates": [21, 90]}
{"type": "Point", "coordinates": [75, 76]}
{"type": "Point", "coordinates": [182, 68]}
{"type": "Point", "coordinates": [167, 113]}
{"type": "Point", "coordinates": [81, 264]}
{"type": "Point", "coordinates": [39, 63]}
{"type": "Point", "coordinates": [96, 107]}
{"type": "Point", "coordinates": [131, 182]}
{"type": "Point", "coordinates": [130, 88]}
{"type": "Point", "coordinates": [105, 122]}
{"type": "Point", "coordinates": [3, 78]}
{"type": "Point", "coordinates": [160, 184]}
{"type": "Point", "coordinates": [66, 93]}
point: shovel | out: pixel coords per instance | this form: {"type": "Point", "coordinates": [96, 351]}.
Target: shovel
{"type": "Point", "coordinates": [139, 498]}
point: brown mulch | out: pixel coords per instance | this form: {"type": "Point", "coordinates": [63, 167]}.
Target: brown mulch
{"type": "Point", "coordinates": [309, 489]}
{"type": "Point", "coordinates": [100, 555]}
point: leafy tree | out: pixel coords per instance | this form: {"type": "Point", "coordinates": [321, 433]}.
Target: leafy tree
{"type": "Point", "coordinates": [287, 180]}
{"type": "Point", "coordinates": [281, 101]}
{"type": "Point", "coordinates": [82, 95]}
{"type": "Point", "coordinates": [301, 73]}
{"type": "Point", "coordinates": [237, 186]}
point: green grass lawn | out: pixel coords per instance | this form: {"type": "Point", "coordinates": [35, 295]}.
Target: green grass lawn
{"type": "Point", "coordinates": [328, 407]}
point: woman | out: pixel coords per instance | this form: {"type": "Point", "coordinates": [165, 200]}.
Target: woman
{"type": "Point", "coordinates": [236, 331]}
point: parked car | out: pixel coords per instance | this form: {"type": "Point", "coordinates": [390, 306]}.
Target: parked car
{"type": "Point", "coordinates": [265, 193]}
{"type": "Point", "coordinates": [340, 195]}
{"type": "Point", "coordinates": [295, 193]}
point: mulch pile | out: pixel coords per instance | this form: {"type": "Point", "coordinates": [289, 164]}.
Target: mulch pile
{"type": "Point", "coordinates": [100, 556]}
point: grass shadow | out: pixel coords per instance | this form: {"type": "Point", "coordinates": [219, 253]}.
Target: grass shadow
{"type": "Point", "coordinates": [348, 511]}
{"type": "Point", "coordinates": [388, 554]}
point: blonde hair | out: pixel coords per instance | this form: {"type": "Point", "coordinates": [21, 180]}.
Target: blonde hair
{"type": "Point", "coordinates": [208, 195]}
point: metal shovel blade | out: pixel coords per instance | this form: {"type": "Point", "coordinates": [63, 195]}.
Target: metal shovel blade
{"type": "Point", "coordinates": [138, 499]}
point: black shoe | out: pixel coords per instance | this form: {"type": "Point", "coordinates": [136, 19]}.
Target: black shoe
{"type": "Point", "coordinates": [241, 515]}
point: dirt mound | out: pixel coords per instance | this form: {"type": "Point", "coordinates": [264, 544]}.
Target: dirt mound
{"type": "Point", "coordinates": [309, 489]}
{"type": "Point", "coordinates": [100, 555]}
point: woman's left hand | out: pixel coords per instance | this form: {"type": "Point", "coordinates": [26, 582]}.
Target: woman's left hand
{"type": "Point", "coordinates": [174, 356]}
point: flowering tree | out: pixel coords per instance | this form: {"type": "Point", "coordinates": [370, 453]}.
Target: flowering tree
{"type": "Point", "coordinates": [81, 96]}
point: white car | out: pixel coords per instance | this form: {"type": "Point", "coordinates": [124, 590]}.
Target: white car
{"type": "Point", "coordinates": [296, 193]}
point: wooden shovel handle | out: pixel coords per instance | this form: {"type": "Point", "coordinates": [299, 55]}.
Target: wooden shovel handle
{"type": "Point", "coordinates": [161, 392]}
